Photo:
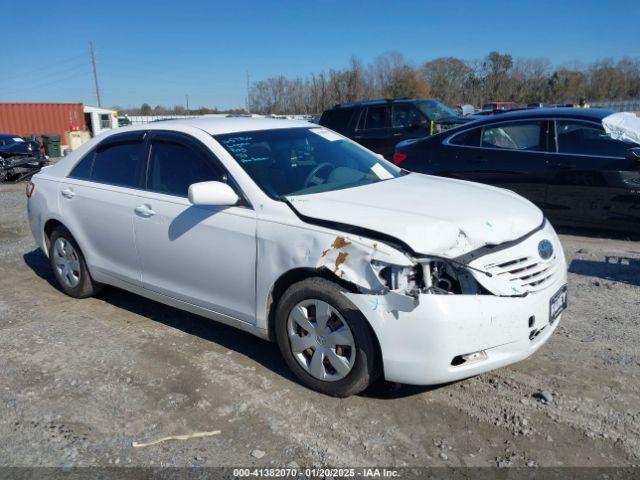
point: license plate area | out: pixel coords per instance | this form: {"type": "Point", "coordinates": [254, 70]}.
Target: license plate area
{"type": "Point", "coordinates": [557, 303]}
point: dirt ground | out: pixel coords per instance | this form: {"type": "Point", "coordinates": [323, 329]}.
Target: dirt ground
{"type": "Point", "coordinates": [81, 380]}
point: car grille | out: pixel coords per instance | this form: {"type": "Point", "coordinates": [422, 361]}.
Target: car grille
{"type": "Point", "coordinates": [526, 274]}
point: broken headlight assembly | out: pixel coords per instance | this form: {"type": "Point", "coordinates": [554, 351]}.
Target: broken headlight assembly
{"type": "Point", "coordinates": [430, 275]}
{"type": "Point", "coordinates": [442, 277]}
{"type": "Point", "coordinates": [397, 277]}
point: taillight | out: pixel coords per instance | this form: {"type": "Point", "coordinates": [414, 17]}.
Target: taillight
{"type": "Point", "coordinates": [30, 188]}
{"type": "Point", "coordinates": [398, 158]}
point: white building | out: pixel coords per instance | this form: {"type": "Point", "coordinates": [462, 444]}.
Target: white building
{"type": "Point", "coordinates": [99, 120]}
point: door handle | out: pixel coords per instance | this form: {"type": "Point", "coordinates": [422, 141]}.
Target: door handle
{"type": "Point", "coordinates": [478, 160]}
{"type": "Point", "coordinates": [144, 211]}
{"type": "Point", "coordinates": [67, 192]}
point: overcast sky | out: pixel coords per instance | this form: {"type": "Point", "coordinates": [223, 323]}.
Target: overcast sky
{"type": "Point", "coordinates": [157, 52]}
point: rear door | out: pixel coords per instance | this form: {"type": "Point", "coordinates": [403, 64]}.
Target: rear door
{"type": "Point", "coordinates": [592, 182]}
{"type": "Point", "coordinates": [203, 255]}
{"type": "Point", "coordinates": [97, 201]}
{"type": "Point", "coordinates": [372, 130]}
{"type": "Point", "coordinates": [338, 120]}
{"type": "Point", "coordinates": [511, 155]}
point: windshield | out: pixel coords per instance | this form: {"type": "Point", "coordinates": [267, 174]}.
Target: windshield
{"type": "Point", "coordinates": [436, 111]}
{"type": "Point", "coordinates": [299, 161]}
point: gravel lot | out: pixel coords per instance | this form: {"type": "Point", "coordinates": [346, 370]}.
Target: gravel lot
{"type": "Point", "coordinates": [80, 381]}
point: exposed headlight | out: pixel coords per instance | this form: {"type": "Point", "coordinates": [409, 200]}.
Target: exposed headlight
{"type": "Point", "coordinates": [429, 275]}
{"type": "Point", "coordinates": [442, 277]}
{"type": "Point", "coordinates": [397, 277]}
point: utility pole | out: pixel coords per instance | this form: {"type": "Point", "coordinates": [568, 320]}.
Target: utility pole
{"type": "Point", "coordinates": [187, 95]}
{"type": "Point", "coordinates": [248, 88]}
{"type": "Point", "coordinates": [95, 72]}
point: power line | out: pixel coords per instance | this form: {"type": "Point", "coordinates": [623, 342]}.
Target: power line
{"type": "Point", "coordinates": [45, 68]}
{"type": "Point", "coordinates": [46, 82]}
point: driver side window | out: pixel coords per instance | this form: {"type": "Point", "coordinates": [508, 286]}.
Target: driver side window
{"type": "Point", "coordinates": [174, 165]}
{"type": "Point", "coordinates": [588, 139]}
{"type": "Point", "coordinates": [405, 116]}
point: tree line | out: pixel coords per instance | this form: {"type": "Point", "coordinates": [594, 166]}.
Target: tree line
{"type": "Point", "coordinates": [496, 77]}
{"type": "Point", "coordinates": [160, 110]}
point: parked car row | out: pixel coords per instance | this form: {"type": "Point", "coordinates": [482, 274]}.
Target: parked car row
{"type": "Point", "coordinates": [561, 159]}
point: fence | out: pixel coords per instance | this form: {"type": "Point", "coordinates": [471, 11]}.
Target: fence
{"type": "Point", "coordinates": [618, 105]}
{"type": "Point", "coordinates": [140, 119]}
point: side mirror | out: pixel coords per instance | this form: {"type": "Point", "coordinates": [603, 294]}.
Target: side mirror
{"type": "Point", "coordinates": [417, 124]}
{"type": "Point", "coordinates": [212, 193]}
{"type": "Point", "coordinates": [633, 154]}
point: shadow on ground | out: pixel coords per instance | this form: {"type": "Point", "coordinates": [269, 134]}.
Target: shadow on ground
{"type": "Point", "coordinates": [615, 268]}
{"type": "Point", "coordinates": [262, 351]}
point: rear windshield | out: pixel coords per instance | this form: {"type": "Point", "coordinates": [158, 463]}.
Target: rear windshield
{"type": "Point", "coordinates": [299, 161]}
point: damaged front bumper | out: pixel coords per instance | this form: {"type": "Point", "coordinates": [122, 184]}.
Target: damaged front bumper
{"type": "Point", "coordinates": [428, 344]}
{"type": "Point", "coordinates": [431, 339]}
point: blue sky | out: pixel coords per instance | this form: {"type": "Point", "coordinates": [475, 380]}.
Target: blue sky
{"type": "Point", "coordinates": [156, 52]}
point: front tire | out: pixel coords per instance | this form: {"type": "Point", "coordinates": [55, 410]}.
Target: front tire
{"type": "Point", "coordinates": [324, 338]}
{"type": "Point", "coordinates": [69, 266]}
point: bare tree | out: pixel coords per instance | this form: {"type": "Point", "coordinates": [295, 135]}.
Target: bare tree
{"type": "Point", "coordinates": [496, 77]}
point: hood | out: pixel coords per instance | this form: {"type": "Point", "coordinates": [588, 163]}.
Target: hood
{"type": "Point", "coordinates": [432, 215]}
{"type": "Point", "coordinates": [459, 120]}
{"type": "Point", "coordinates": [20, 148]}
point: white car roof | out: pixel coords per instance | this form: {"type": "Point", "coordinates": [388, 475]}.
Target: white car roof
{"type": "Point", "coordinates": [216, 126]}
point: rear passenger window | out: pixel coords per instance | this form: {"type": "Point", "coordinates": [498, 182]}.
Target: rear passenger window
{"type": "Point", "coordinates": [337, 120]}
{"type": "Point", "coordinates": [374, 117]}
{"type": "Point", "coordinates": [82, 170]}
{"type": "Point", "coordinates": [174, 166]}
{"type": "Point", "coordinates": [470, 138]}
{"type": "Point", "coordinates": [119, 164]}
{"type": "Point", "coordinates": [519, 136]}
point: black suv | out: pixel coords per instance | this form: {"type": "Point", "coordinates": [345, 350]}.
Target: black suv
{"type": "Point", "coordinates": [380, 124]}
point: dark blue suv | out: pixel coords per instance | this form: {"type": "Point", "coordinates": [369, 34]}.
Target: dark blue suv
{"type": "Point", "coordinates": [380, 124]}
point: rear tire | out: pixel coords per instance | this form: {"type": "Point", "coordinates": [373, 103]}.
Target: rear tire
{"type": "Point", "coordinates": [69, 266]}
{"type": "Point", "coordinates": [335, 353]}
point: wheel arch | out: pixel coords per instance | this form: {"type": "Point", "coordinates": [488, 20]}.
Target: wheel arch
{"type": "Point", "coordinates": [296, 275]}
{"type": "Point", "coordinates": [48, 228]}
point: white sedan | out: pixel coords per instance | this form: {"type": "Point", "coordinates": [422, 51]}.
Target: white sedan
{"type": "Point", "coordinates": [358, 269]}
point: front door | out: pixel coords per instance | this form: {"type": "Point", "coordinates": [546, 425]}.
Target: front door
{"type": "Point", "coordinates": [407, 123]}
{"type": "Point", "coordinates": [203, 255]}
